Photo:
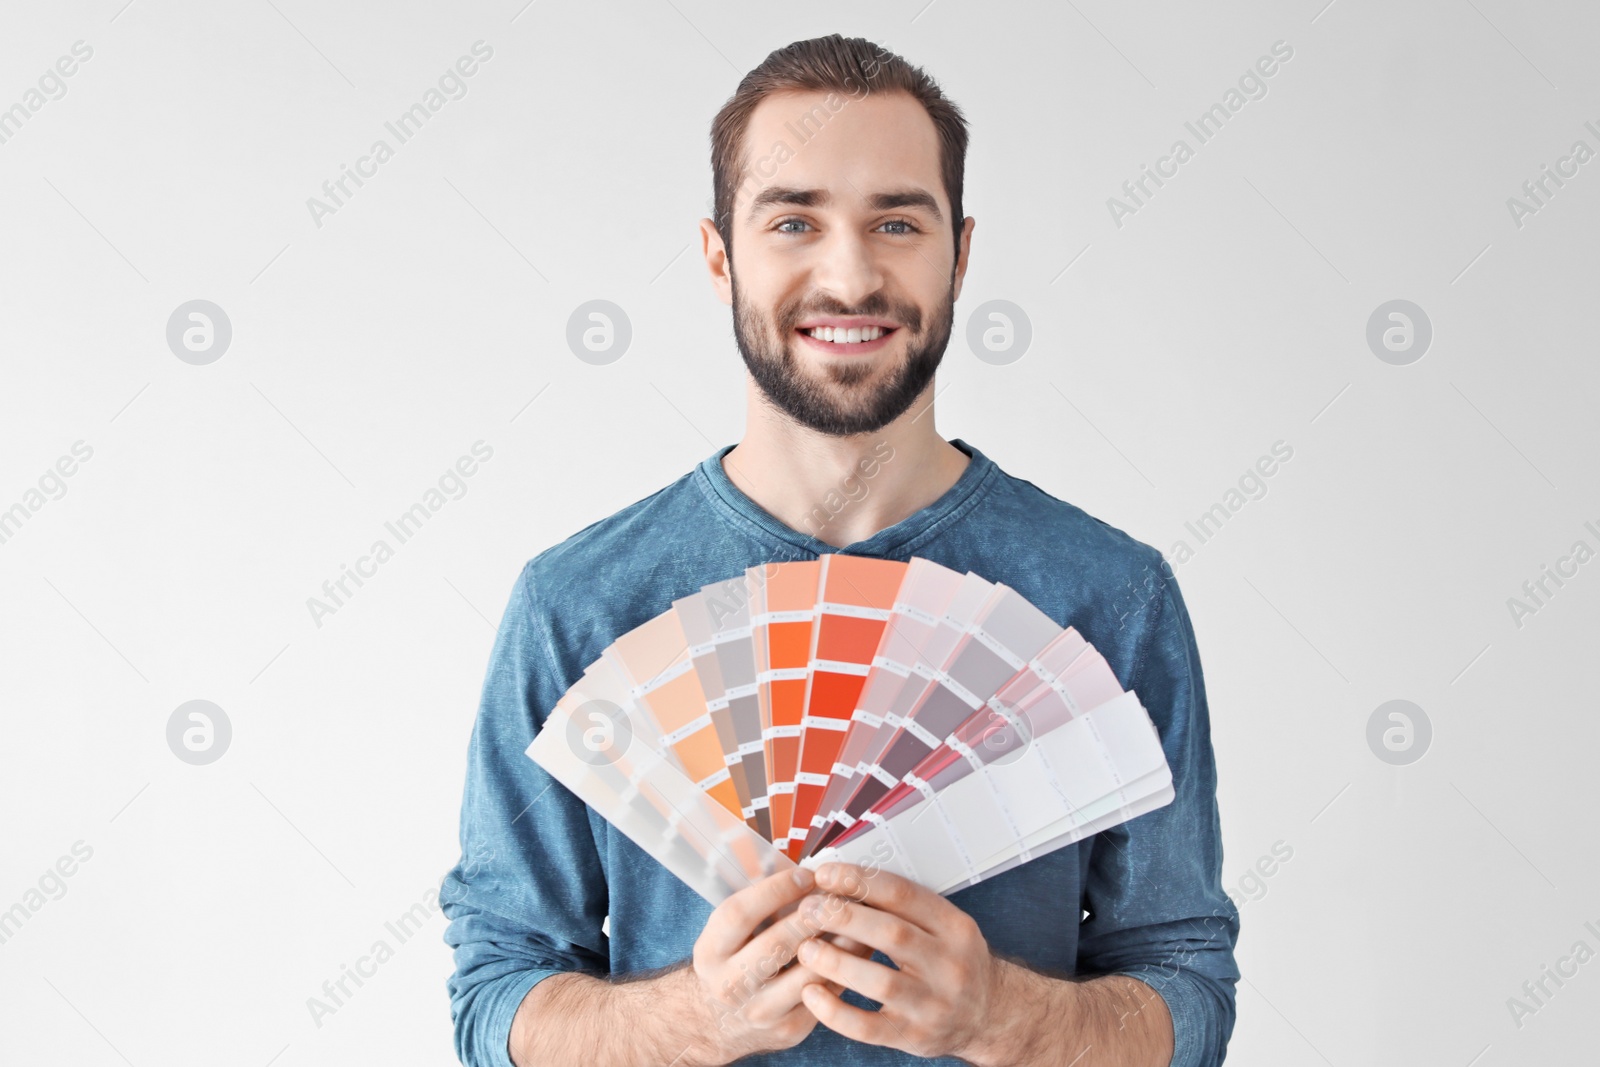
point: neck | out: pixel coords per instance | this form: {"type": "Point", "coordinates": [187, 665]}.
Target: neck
{"type": "Point", "coordinates": [842, 489]}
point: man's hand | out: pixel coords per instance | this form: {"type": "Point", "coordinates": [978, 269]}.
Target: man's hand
{"type": "Point", "coordinates": [734, 997]}
{"type": "Point", "coordinates": [942, 999]}
{"type": "Point", "coordinates": [952, 996]}
{"type": "Point", "coordinates": [746, 1001]}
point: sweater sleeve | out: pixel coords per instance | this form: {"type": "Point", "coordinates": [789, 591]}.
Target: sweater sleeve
{"type": "Point", "coordinates": [1157, 909]}
{"type": "Point", "coordinates": [527, 899]}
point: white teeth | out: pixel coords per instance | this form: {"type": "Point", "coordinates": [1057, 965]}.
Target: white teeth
{"type": "Point", "coordinates": [851, 336]}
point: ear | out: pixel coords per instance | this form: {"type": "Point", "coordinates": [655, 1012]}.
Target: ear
{"type": "Point", "coordinates": [967, 226]}
{"type": "Point", "coordinates": [717, 261]}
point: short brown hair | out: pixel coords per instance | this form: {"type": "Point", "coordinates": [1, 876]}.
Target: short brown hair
{"type": "Point", "coordinates": [849, 65]}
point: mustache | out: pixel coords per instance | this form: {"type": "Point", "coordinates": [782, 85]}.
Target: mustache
{"type": "Point", "coordinates": [907, 315]}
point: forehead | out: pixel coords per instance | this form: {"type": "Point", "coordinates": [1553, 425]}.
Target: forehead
{"type": "Point", "coordinates": [847, 145]}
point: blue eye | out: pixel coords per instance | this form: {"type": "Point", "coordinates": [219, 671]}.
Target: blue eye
{"type": "Point", "coordinates": [910, 227]}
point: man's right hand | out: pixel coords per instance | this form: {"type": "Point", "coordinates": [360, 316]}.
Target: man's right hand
{"type": "Point", "coordinates": [746, 1001]}
{"type": "Point", "coordinates": [732, 999]}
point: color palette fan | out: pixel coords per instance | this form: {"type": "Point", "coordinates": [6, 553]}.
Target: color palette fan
{"type": "Point", "coordinates": [899, 715]}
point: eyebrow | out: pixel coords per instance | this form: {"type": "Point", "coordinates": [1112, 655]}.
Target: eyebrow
{"type": "Point", "coordinates": [888, 201]}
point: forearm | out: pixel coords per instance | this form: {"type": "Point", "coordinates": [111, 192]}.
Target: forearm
{"type": "Point", "coordinates": [578, 1018]}
{"type": "Point", "coordinates": [1109, 1021]}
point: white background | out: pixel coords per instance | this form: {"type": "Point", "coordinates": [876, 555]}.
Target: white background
{"type": "Point", "coordinates": [430, 312]}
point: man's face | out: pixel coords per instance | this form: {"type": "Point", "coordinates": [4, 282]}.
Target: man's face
{"type": "Point", "coordinates": [842, 224]}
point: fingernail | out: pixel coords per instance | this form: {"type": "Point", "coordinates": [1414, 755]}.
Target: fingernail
{"type": "Point", "coordinates": [803, 877]}
{"type": "Point", "coordinates": [807, 951]}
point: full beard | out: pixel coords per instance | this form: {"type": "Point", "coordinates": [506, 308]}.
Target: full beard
{"type": "Point", "coordinates": [840, 405]}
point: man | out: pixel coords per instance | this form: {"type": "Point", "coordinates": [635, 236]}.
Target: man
{"type": "Point", "coordinates": [840, 243]}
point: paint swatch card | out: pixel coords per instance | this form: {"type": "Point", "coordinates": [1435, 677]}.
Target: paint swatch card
{"type": "Point", "coordinates": [639, 791]}
{"type": "Point", "coordinates": [655, 661]}
{"type": "Point", "coordinates": [783, 613]}
{"type": "Point", "coordinates": [925, 592]}
{"type": "Point", "coordinates": [855, 596]}
{"type": "Point", "coordinates": [728, 603]}
{"type": "Point", "coordinates": [899, 715]}
{"type": "Point", "coordinates": [938, 637]}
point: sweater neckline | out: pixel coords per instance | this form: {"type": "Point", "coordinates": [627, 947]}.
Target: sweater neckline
{"type": "Point", "coordinates": [903, 536]}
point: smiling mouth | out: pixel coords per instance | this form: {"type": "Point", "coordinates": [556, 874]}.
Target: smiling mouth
{"type": "Point", "coordinates": [855, 341]}
{"type": "Point", "coordinates": [840, 334]}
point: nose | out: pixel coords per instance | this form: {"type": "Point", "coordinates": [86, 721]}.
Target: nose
{"type": "Point", "coordinates": [847, 267]}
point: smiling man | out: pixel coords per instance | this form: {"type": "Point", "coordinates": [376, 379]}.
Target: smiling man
{"type": "Point", "coordinates": [840, 243]}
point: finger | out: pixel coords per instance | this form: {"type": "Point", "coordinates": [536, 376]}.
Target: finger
{"type": "Point", "coordinates": [772, 948]}
{"type": "Point", "coordinates": [773, 952]}
{"type": "Point", "coordinates": [799, 1016]}
{"type": "Point", "coordinates": [781, 994]}
{"type": "Point", "coordinates": [762, 968]}
{"type": "Point", "coordinates": [871, 979]}
{"type": "Point", "coordinates": [732, 922]}
{"type": "Point", "coordinates": [847, 1020]}
{"type": "Point", "coordinates": [784, 990]}
{"type": "Point", "coordinates": [889, 892]}
{"type": "Point", "coordinates": [902, 941]}
{"type": "Point", "coordinates": [849, 944]}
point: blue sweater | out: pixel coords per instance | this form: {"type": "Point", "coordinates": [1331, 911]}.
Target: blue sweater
{"type": "Point", "coordinates": [540, 871]}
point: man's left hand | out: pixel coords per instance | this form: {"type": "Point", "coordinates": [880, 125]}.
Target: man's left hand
{"type": "Point", "coordinates": [944, 999]}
